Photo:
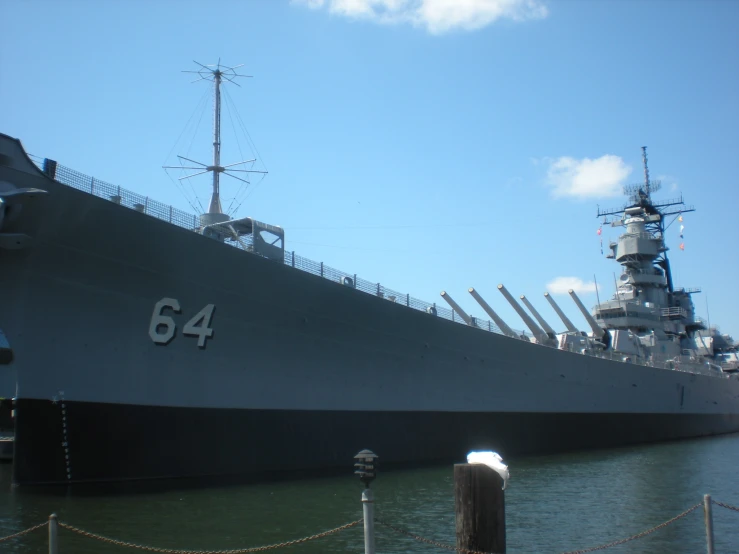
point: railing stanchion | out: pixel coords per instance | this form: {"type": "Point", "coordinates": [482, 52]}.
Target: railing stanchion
{"type": "Point", "coordinates": [53, 534]}
{"type": "Point", "coordinates": [708, 517]}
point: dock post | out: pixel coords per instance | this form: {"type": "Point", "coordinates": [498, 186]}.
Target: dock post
{"type": "Point", "coordinates": [708, 516]}
{"type": "Point", "coordinates": [368, 503]}
{"type": "Point", "coordinates": [479, 506]}
{"type": "Point", "coordinates": [53, 534]}
{"type": "Point", "coordinates": [366, 470]}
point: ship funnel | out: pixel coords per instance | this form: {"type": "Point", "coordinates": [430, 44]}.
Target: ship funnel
{"type": "Point", "coordinates": [547, 328]}
{"type": "Point", "coordinates": [589, 318]}
{"type": "Point", "coordinates": [570, 327]}
{"type": "Point", "coordinates": [456, 308]}
{"type": "Point", "coordinates": [495, 317]}
{"type": "Point", "coordinates": [535, 330]}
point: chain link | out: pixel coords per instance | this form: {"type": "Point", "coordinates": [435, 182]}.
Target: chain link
{"type": "Point", "coordinates": [428, 541]}
{"type": "Point", "coordinates": [21, 533]}
{"type": "Point", "coordinates": [728, 506]}
{"type": "Point", "coordinates": [233, 551]}
{"type": "Point", "coordinates": [638, 535]}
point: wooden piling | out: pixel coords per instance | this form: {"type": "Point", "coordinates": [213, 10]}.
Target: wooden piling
{"type": "Point", "coordinates": [479, 505]}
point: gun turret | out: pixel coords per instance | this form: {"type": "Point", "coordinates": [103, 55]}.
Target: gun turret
{"type": "Point", "coordinates": [456, 308]}
{"type": "Point", "coordinates": [597, 331]}
{"type": "Point", "coordinates": [547, 328]}
{"type": "Point", "coordinates": [570, 327]}
{"type": "Point", "coordinates": [540, 335]}
{"type": "Point", "coordinates": [495, 317]}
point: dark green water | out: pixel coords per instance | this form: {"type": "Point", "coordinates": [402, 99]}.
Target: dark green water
{"type": "Point", "coordinates": [553, 504]}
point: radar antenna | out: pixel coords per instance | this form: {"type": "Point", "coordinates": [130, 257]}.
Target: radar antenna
{"type": "Point", "coordinates": [216, 73]}
{"type": "Point", "coordinates": [642, 194]}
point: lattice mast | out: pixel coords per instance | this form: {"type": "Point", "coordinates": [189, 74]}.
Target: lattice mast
{"type": "Point", "coordinates": [216, 73]}
{"type": "Point", "coordinates": [647, 182]}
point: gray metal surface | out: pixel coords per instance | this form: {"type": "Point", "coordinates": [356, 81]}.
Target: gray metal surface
{"type": "Point", "coordinates": [83, 303]}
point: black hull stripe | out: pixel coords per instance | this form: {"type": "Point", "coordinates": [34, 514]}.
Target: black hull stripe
{"type": "Point", "coordinates": [116, 442]}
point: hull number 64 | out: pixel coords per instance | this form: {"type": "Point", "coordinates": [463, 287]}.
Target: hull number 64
{"type": "Point", "coordinates": [162, 328]}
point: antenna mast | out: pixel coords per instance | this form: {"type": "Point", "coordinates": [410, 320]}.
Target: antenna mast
{"type": "Point", "coordinates": [216, 73]}
{"type": "Point", "coordinates": [215, 201]}
{"type": "Point", "coordinates": [647, 184]}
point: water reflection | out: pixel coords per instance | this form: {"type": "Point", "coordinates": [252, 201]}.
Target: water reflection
{"type": "Point", "coordinates": [554, 503]}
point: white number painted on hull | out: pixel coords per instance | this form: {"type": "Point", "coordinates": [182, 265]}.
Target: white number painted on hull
{"type": "Point", "coordinates": [157, 319]}
{"type": "Point", "coordinates": [162, 328]}
{"type": "Point", "coordinates": [199, 326]}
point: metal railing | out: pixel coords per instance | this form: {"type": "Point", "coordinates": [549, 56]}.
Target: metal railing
{"type": "Point", "coordinates": [669, 313]}
{"type": "Point", "coordinates": [689, 290]}
{"type": "Point", "coordinates": [124, 197]}
{"type": "Point", "coordinates": [642, 235]}
{"type": "Point", "coordinates": [164, 212]}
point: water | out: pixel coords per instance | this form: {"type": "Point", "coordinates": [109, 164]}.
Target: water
{"type": "Point", "coordinates": [553, 504]}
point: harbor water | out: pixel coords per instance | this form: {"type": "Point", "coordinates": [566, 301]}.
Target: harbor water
{"type": "Point", "coordinates": [553, 504]}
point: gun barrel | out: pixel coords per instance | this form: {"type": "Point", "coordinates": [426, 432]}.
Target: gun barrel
{"type": "Point", "coordinates": [533, 327]}
{"type": "Point", "coordinates": [589, 318]}
{"type": "Point", "coordinates": [566, 320]}
{"type": "Point", "coordinates": [502, 325]}
{"type": "Point", "coordinates": [544, 325]}
{"type": "Point", "coordinates": [456, 308]}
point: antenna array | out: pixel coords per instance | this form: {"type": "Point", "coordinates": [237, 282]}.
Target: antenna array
{"type": "Point", "coordinates": [216, 73]}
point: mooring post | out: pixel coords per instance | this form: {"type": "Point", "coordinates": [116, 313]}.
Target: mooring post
{"type": "Point", "coordinates": [366, 470]}
{"type": "Point", "coordinates": [708, 516]}
{"type": "Point", "coordinates": [479, 506]}
{"type": "Point", "coordinates": [53, 535]}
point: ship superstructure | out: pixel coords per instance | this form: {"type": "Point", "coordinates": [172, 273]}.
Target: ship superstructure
{"type": "Point", "coordinates": [648, 318]}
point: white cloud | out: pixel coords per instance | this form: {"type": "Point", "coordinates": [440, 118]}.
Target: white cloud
{"type": "Point", "coordinates": [586, 178]}
{"type": "Point", "coordinates": [436, 16]}
{"type": "Point", "coordinates": [562, 285]}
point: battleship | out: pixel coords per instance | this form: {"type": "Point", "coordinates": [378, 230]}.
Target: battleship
{"type": "Point", "coordinates": [129, 327]}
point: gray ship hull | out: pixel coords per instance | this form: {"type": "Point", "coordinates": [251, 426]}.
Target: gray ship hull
{"type": "Point", "coordinates": [299, 373]}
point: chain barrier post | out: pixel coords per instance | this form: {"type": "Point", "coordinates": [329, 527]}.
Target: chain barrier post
{"type": "Point", "coordinates": [368, 505]}
{"type": "Point", "coordinates": [53, 534]}
{"type": "Point", "coordinates": [366, 470]}
{"type": "Point", "coordinates": [479, 506]}
{"type": "Point", "coordinates": [708, 516]}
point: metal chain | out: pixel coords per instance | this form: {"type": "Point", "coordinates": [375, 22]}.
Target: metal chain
{"type": "Point", "coordinates": [638, 535]}
{"type": "Point", "coordinates": [342, 528]}
{"type": "Point", "coordinates": [21, 533]}
{"type": "Point", "coordinates": [728, 506]}
{"type": "Point", "coordinates": [428, 541]}
{"type": "Point", "coordinates": [234, 551]}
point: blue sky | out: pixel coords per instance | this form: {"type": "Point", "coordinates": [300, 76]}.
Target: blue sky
{"type": "Point", "coordinates": [427, 144]}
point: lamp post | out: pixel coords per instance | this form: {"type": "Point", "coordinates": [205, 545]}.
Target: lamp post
{"type": "Point", "coordinates": [367, 472]}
